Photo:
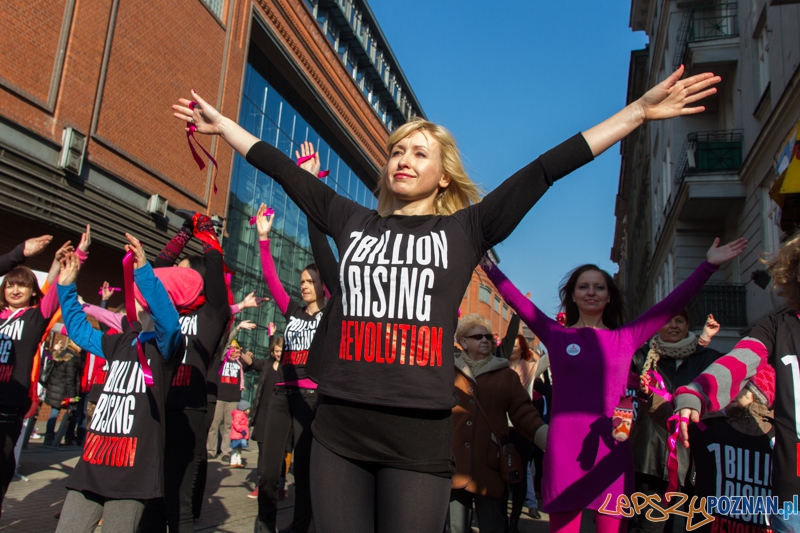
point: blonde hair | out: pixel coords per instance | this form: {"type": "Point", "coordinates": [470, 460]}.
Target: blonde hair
{"type": "Point", "coordinates": [784, 267]}
{"type": "Point", "coordinates": [469, 322]}
{"type": "Point", "coordinates": [461, 191]}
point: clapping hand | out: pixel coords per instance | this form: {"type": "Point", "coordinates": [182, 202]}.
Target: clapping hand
{"type": "Point", "coordinates": [70, 266]}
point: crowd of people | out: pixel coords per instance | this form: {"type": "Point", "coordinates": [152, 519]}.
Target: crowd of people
{"type": "Point", "coordinates": [391, 428]}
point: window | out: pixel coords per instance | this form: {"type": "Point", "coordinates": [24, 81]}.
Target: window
{"type": "Point", "coordinates": [485, 294]}
{"type": "Point", "coordinates": [496, 304]}
{"type": "Point", "coordinates": [771, 224]}
{"type": "Point", "coordinates": [505, 311]}
{"type": "Point", "coordinates": [762, 50]}
{"type": "Point", "coordinates": [215, 6]}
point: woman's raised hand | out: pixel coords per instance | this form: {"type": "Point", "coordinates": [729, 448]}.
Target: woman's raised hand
{"type": "Point", "coordinates": [263, 222]}
{"type": "Point", "coordinates": [36, 245]}
{"type": "Point", "coordinates": [70, 266]}
{"type": "Point", "coordinates": [312, 165]}
{"type": "Point", "coordinates": [198, 113]}
{"type": "Point", "coordinates": [86, 239]}
{"type": "Point", "coordinates": [135, 246]}
{"type": "Point", "coordinates": [671, 97]}
{"type": "Point", "coordinates": [717, 254]}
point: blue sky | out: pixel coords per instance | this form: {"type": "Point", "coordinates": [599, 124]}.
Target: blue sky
{"type": "Point", "coordinates": [512, 79]}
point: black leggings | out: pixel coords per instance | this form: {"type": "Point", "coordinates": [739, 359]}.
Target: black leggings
{"type": "Point", "coordinates": [291, 409]}
{"type": "Point", "coordinates": [366, 497]}
{"type": "Point", "coordinates": [10, 428]}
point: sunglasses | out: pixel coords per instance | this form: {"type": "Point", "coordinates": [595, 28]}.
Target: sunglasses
{"type": "Point", "coordinates": [479, 336]}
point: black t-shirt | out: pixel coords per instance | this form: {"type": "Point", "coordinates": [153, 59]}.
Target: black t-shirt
{"type": "Point", "coordinates": [202, 331]}
{"type": "Point", "coordinates": [297, 337]}
{"type": "Point", "coordinates": [780, 334]}
{"type": "Point", "coordinates": [20, 336]}
{"type": "Point", "coordinates": [99, 381]}
{"type": "Point", "coordinates": [402, 279]}
{"type": "Point", "coordinates": [228, 388]}
{"type": "Point", "coordinates": [730, 463]}
{"type": "Point", "coordinates": [123, 453]}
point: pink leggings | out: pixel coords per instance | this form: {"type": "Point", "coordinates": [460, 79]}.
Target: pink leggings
{"type": "Point", "coordinates": [570, 522]}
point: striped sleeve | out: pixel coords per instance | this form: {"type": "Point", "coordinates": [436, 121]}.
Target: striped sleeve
{"type": "Point", "coordinates": [722, 381]}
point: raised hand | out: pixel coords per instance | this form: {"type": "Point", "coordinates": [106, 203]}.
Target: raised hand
{"type": "Point", "coordinates": [198, 113]}
{"type": "Point", "coordinates": [138, 252]}
{"type": "Point", "coordinates": [671, 97]}
{"type": "Point", "coordinates": [106, 291]}
{"type": "Point", "coordinates": [70, 266]}
{"type": "Point", "coordinates": [271, 329]}
{"type": "Point", "coordinates": [710, 329]}
{"type": "Point", "coordinates": [263, 222]}
{"type": "Point", "coordinates": [66, 249]}
{"type": "Point", "coordinates": [644, 385]}
{"type": "Point", "coordinates": [313, 164]}
{"type": "Point", "coordinates": [247, 324]}
{"type": "Point", "coordinates": [36, 245]}
{"type": "Point", "coordinates": [717, 254]}
{"type": "Point", "coordinates": [86, 240]}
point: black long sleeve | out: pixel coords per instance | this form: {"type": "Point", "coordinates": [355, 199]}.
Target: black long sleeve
{"type": "Point", "coordinates": [324, 258]}
{"type": "Point", "coordinates": [505, 207]}
{"type": "Point", "coordinates": [214, 282]}
{"type": "Point", "coordinates": [12, 259]}
{"type": "Point", "coordinates": [507, 346]}
{"type": "Point", "coordinates": [307, 191]}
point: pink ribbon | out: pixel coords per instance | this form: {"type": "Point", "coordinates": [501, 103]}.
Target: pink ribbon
{"type": "Point", "coordinates": [659, 387]}
{"type": "Point", "coordinates": [267, 213]}
{"type": "Point", "coordinates": [130, 313]}
{"type": "Point", "coordinates": [322, 173]}
{"type": "Point", "coordinates": [112, 289]}
{"type": "Point", "coordinates": [197, 159]}
{"type": "Point", "coordinates": [672, 445]}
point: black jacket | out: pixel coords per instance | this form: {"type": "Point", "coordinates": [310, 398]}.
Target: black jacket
{"type": "Point", "coordinates": [267, 378]}
{"type": "Point", "coordinates": [649, 441]}
{"type": "Point", "coordinates": [64, 379]}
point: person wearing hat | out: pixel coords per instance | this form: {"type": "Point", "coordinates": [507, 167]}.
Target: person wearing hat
{"type": "Point", "coordinates": [677, 356]}
{"type": "Point", "coordinates": [240, 432]}
{"type": "Point", "coordinates": [732, 453]}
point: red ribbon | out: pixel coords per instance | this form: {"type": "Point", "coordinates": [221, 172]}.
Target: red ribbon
{"type": "Point", "coordinates": [130, 313]}
{"type": "Point", "coordinates": [197, 159]}
{"type": "Point", "coordinates": [321, 174]}
{"type": "Point", "coordinates": [657, 385]}
{"type": "Point", "coordinates": [672, 445]}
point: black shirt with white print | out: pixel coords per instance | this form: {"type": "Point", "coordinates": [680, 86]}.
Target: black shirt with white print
{"type": "Point", "coordinates": [297, 337]}
{"type": "Point", "coordinates": [124, 448]}
{"type": "Point", "coordinates": [780, 334]}
{"type": "Point", "coordinates": [229, 387]}
{"type": "Point", "coordinates": [20, 335]}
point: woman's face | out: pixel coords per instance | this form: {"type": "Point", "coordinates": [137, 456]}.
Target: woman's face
{"type": "Point", "coordinates": [276, 353]}
{"type": "Point", "coordinates": [18, 295]}
{"type": "Point", "coordinates": [310, 286]}
{"type": "Point", "coordinates": [477, 342]}
{"type": "Point", "coordinates": [414, 171]}
{"type": "Point", "coordinates": [675, 330]}
{"type": "Point", "coordinates": [591, 293]}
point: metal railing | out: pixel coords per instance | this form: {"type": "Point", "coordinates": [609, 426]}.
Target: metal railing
{"type": "Point", "coordinates": [716, 20]}
{"type": "Point", "coordinates": [726, 301]}
{"type": "Point", "coordinates": [707, 152]}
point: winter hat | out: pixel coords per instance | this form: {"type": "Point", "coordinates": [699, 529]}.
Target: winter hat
{"type": "Point", "coordinates": [243, 405]}
{"type": "Point", "coordinates": [762, 385]}
{"type": "Point", "coordinates": [183, 286]}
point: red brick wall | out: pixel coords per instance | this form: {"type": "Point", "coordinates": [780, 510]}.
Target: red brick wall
{"type": "Point", "coordinates": [471, 303]}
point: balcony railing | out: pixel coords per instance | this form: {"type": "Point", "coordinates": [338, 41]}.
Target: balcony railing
{"type": "Point", "coordinates": [716, 20]}
{"type": "Point", "coordinates": [707, 152]}
{"type": "Point", "coordinates": [726, 301]}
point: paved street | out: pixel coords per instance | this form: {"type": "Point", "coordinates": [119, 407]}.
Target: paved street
{"type": "Point", "coordinates": [30, 506]}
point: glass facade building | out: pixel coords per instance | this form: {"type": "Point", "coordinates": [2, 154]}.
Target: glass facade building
{"type": "Point", "coordinates": [272, 111]}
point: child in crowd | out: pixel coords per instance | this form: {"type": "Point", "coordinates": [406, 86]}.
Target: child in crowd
{"type": "Point", "coordinates": [240, 432]}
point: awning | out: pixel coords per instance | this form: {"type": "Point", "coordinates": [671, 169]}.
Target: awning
{"type": "Point", "coordinates": [787, 166]}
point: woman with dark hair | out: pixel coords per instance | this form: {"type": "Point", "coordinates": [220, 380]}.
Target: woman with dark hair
{"type": "Point", "coordinates": [24, 316]}
{"type": "Point", "coordinates": [590, 359]}
{"type": "Point", "coordinates": [383, 431]}
{"type": "Point", "coordinates": [62, 386]}
{"type": "Point", "coordinates": [294, 399]}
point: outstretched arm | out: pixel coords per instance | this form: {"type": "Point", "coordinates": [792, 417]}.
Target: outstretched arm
{"type": "Point", "coordinates": [507, 346]}
{"type": "Point", "coordinates": [264, 225]}
{"type": "Point", "coordinates": [309, 193]}
{"type": "Point", "coordinates": [532, 316]}
{"type": "Point", "coordinates": [654, 319]}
